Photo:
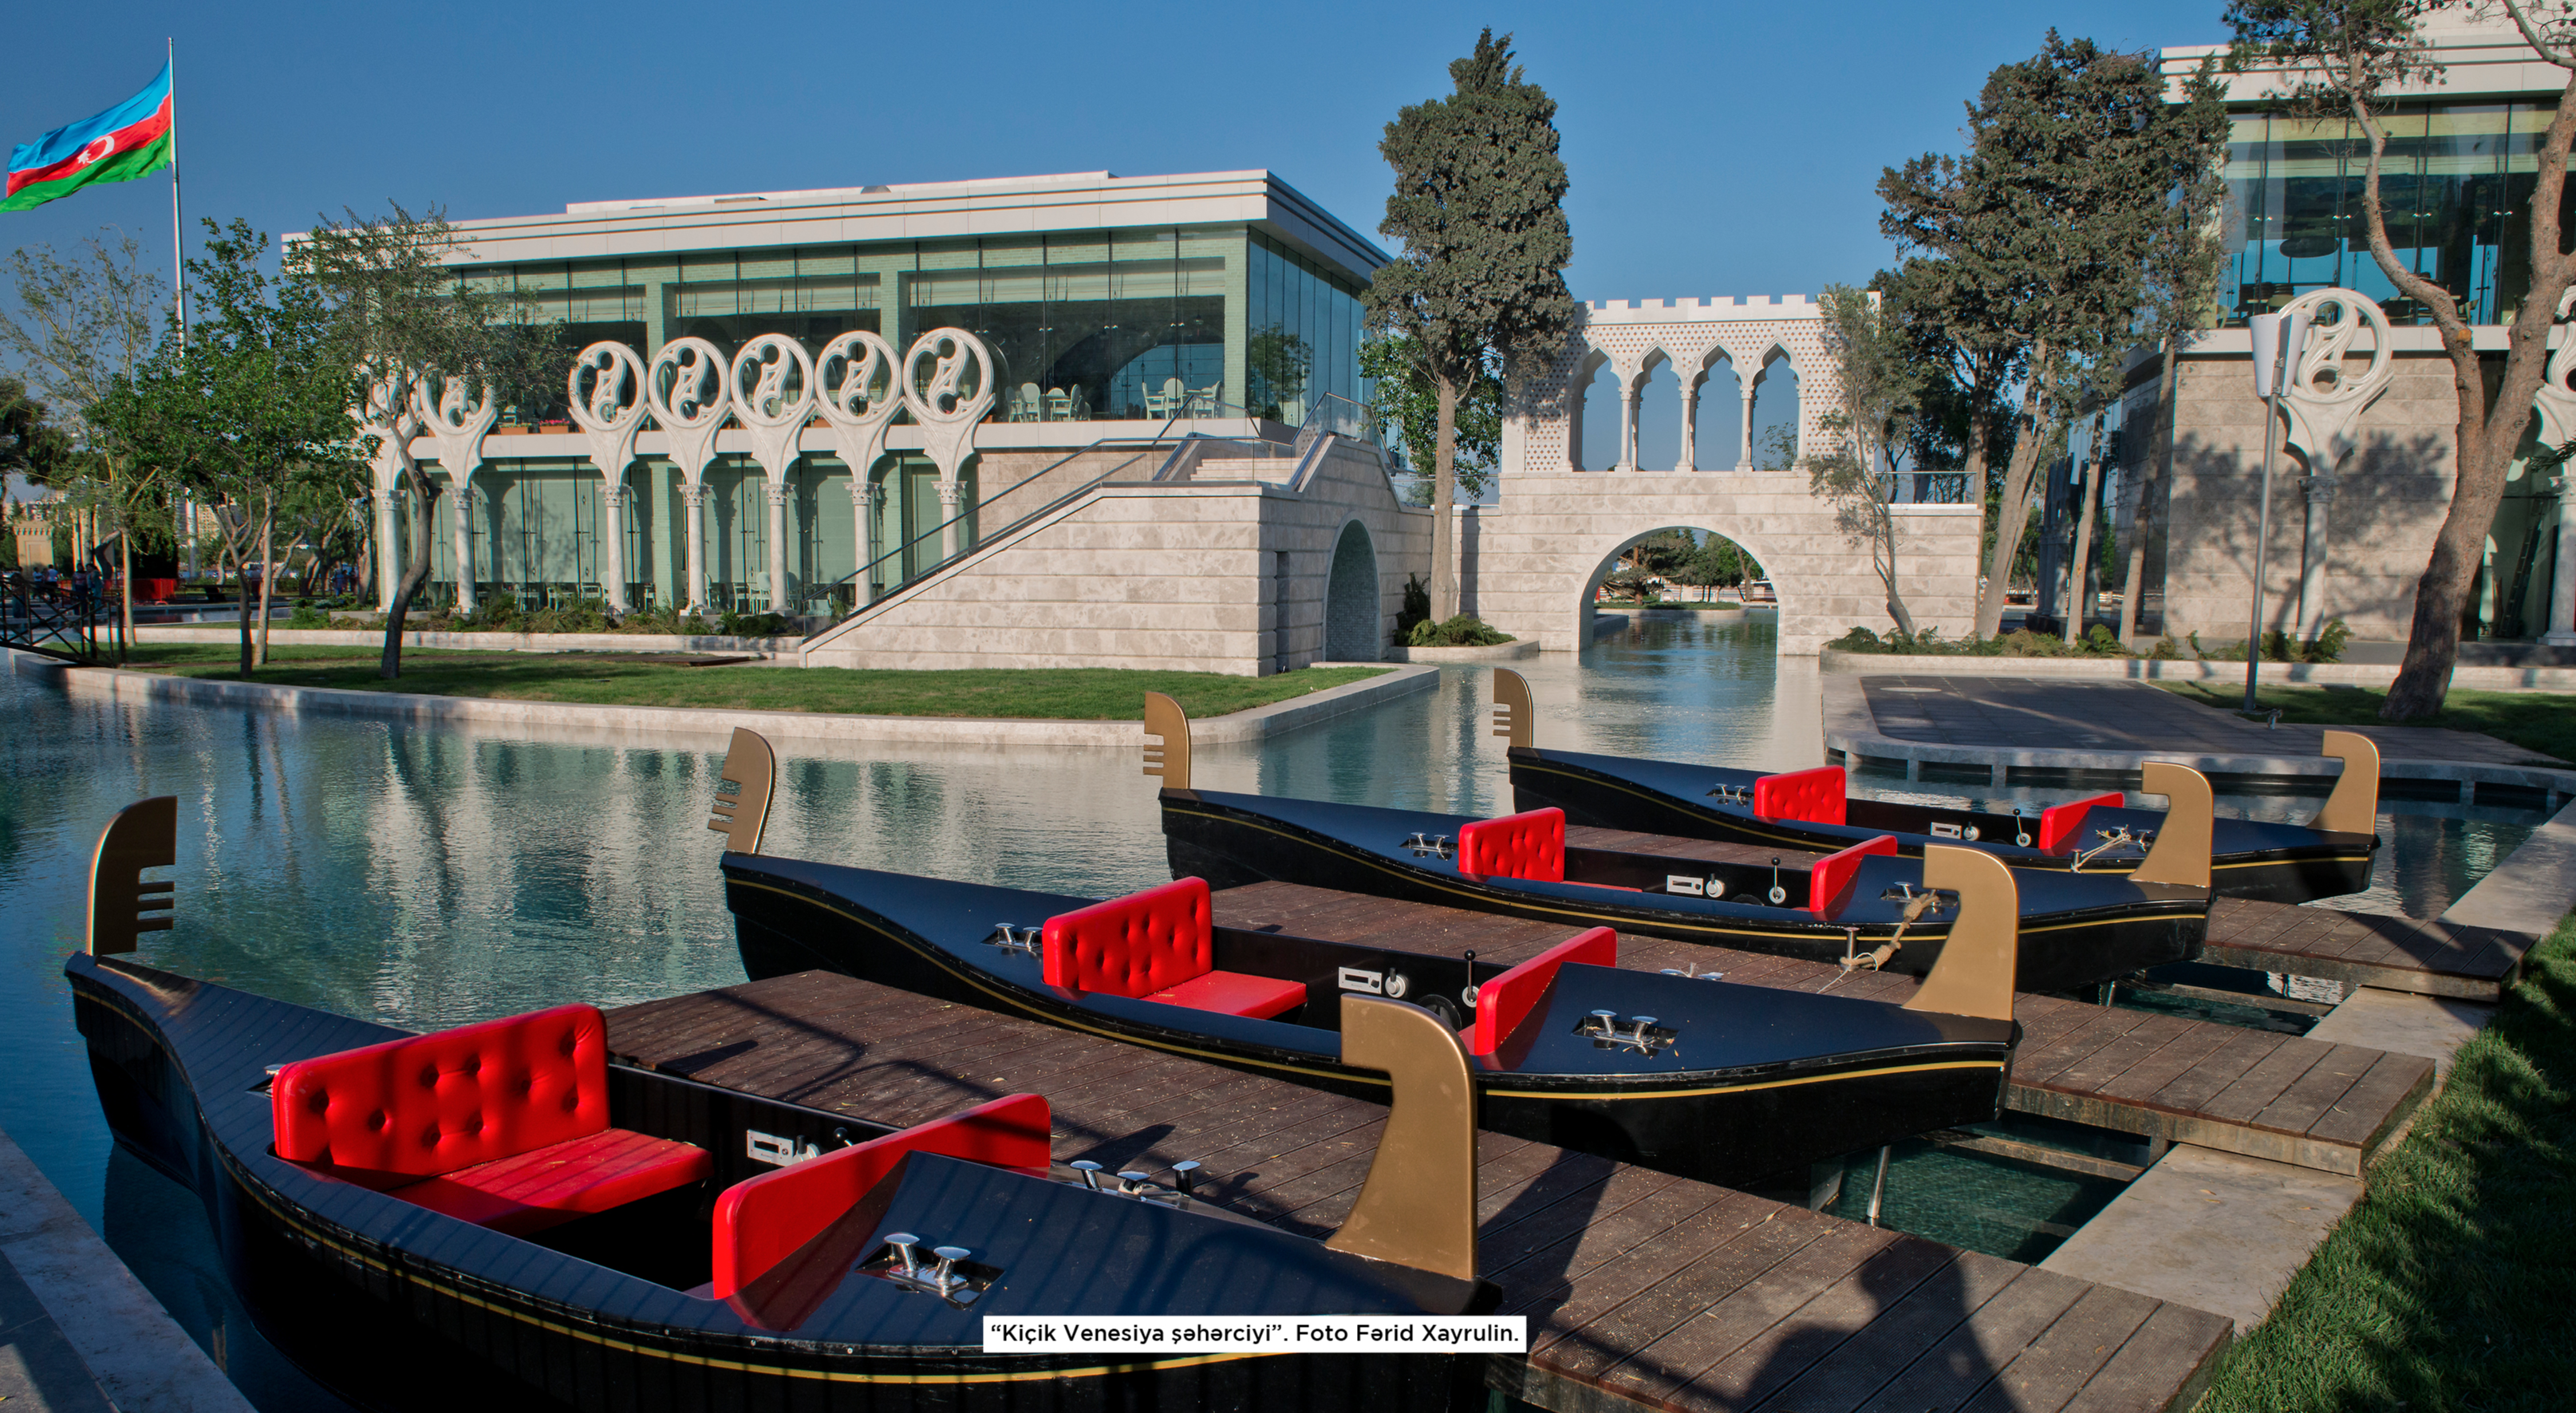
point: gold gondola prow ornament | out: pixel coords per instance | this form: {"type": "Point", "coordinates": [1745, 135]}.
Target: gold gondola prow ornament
{"type": "Point", "coordinates": [1417, 1207]}
{"type": "Point", "coordinates": [752, 769]}
{"type": "Point", "coordinates": [1980, 959]}
{"type": "Point", "coordinates": [123, 905]}
{"type": "Point", "coordinates": [2353, 808]}
{"type": "Point", "coordinates": [2181, 851]}
{"type": "Point", "coordinates": [1167, 749]}
{"type": "Point", "coordinates": [1515, 718]}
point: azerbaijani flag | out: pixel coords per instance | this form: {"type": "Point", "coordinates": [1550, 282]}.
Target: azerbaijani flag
{"type": "Point", "coordinates": [127, 141]}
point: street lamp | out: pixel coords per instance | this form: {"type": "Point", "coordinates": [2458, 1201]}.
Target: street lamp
{"type": "Point", "coordinates": [2278, 339]}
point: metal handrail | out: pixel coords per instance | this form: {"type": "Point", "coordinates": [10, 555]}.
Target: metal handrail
{"type": "Point", "coordinates": [30, 624]}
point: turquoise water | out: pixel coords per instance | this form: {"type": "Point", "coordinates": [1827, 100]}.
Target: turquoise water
{"type": "Point", "coordinates": [427, 877]}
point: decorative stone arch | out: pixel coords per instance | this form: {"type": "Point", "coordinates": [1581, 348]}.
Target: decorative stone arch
{"type": "Point", "coordinates": [1605, 551]}
{"type": "Point", "coordinates": [1570, 391]}
{"type": "Point", "coordinates": [1351, 587]}
{"type": "Point", "coordinates": [1770, 358]}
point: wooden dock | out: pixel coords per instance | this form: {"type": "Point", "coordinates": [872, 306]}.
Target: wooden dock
{"type": "Point", "coordinates": [1641, 1289]}
{"type": "Point", "coordinates": [2360, 949]}
{"type": "Point", "coordinates": [2254, 1092]}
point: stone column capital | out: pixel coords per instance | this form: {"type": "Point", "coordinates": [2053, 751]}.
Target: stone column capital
{"type": "Point", "coordinates": [951, 493]}
{"type": "Point", "coordinates": [695, 495]}
{"type": "Point", "coordinates": [617, 496]}
{"type": "Point", "coordinates": [778, 492]}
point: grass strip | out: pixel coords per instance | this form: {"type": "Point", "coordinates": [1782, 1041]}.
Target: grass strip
{"type": "Point", "coordinates": [2448, 1286]}
{"type": "Point", "coordinates": [1057, 694]}
{"type": "Point", "coordinates": [2540, 722]}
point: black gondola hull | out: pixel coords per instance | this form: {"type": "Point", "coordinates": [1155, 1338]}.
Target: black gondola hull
{"type": "Point", "coordinates": [1612, 792]}
{"type": "Point", "coordinates": [1240, 840]}
{"type": "Point", "coordinates": [393, 1310]}
{"type": "Point", "coordinates": [1724, 1127]}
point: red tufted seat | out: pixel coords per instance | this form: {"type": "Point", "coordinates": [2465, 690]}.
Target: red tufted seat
{"type": "Point", "coordinates": [1829, 883]}
{"type": "Point", "coordinates": [1812, 796]}
{"type": "Point", "coordinates": [1507, 1000]}
{"type": "Point", "coordinates": [2060, 824]}
{"type": "Point", "coordinates": [1158, 945]}
{"type": "Point", "coordinates": [1529, 845]}
{"type": "Point", "coordinates": [503, 1124]}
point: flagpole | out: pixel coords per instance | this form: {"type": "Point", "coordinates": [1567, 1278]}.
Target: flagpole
{"type": "Point", "coordinates": [178, 266]}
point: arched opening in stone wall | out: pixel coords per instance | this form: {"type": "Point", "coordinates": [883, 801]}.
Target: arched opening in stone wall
{"type": "Point", "coordinates": [1659, 416]}
{"type": "Point", "coordinates": [1351, 599]}
{"type": "Point", "coordinates": [1717, 417]}
{"type": "Point", "coordinates": [1676, 564]}
{"type": "Point", "coordinates": [1592, 405]}
{"type": "Point", "coordinates": [1775, 414]}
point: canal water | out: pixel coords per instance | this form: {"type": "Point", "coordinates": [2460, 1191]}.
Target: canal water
{"type": "Point", "coordinates": [430, 877]}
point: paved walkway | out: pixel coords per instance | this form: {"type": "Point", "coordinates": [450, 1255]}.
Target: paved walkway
{"type": "Point", "coordinates": [2014, 726]}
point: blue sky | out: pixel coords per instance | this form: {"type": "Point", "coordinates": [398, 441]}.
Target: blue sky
{"type": "Point", "coordinates": [1715, 149]}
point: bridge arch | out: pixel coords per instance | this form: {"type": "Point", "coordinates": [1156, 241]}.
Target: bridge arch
{"type": "Point", "coordinates": [1604, 552]}
{"type": "Point", "coordinates": [1351, 598]}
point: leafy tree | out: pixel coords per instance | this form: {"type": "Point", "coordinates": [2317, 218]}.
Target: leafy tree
{"type": "Point", "coordinates": [84, 323]}
{"type": "Point", "coordinates": [2032, 255]}
{"type": "Point", "coordinates": [1407, 407]}
{"type": "Point", "coordinates": [31, 445]}
{"type": "Point", "coordinates": [403, 314]}
{"type": "Point", "coordinates": [2345, 57]}
{"type": "Point", "coordinates": [1853, 475]}
{"type": "Point", "coordinates": [254, 410]}
{"type": "Point", "coordinates": [1776, 449]}
{"type": "Point", "coordinates": [1480, 287]}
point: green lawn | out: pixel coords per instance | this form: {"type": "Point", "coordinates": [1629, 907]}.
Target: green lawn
{"type": "Point", "coordinates": [2543, 722]}
{"type": "Point", "coordinates": [2448, 1287]}
{"type": "Point", "coordinates": [1075, 694]}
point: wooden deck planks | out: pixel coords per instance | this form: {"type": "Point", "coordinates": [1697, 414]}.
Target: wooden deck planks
{"type": "Point", "coordinates": [1643, 1289]}
{"type": "Point", "coordinates": [2257, 1093]}
{"type": "Point", "coordinates": [2365, 949]}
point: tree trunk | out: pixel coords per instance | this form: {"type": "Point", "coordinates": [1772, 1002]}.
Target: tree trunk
{"type": "Point", "coordinates": [124, 594]}
{"type": "Point", "coordinates": [2012, 514]}
{"type": "Point", "coordinates": [241, 596]}
{"type": "Point", "coordinates": [424, 499]}
{"type": "Point", "coordinates": [267, 570]}
{"type": "Point", "coordinates": [2079, 576]}
{"type": "Point", "coordinates": [1444, 489]}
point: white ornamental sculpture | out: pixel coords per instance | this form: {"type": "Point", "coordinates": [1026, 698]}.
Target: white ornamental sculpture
{"type": "Point", "coordinates": [856, 381]}
{"type": "Point", "coordinates": [2557, 403]}
{"type": "Point", "coordinates": [606, 394]}
{"type": "Point", "coordinates": [686, 388]}
{"type": "Point", "coordinates": [2322, 401]}
{"type": "Point", "coordinates": [388, 417]}
{"type": "Point", "coordinates": [948, 383]}
{"type": "Point", "coordinates": [458, 415]}
{"type": "Point", "coordinates": [773, 397]}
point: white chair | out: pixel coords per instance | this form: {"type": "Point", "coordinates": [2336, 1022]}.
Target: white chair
{"type": "Point", "coordinates": [1025, 407]}
{"type": "Point", "coordinates": [1176, 398]}
{"type": "Point", "coordinates": [1059, 405]}
{"type": "Point", "coordinates": [1157, 405]}
{"type": "Point", "coordinates": [1203, 400]}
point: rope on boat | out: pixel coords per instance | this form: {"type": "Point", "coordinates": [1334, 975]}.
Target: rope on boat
{"type": "Point", "coordinates": [1877, 958]}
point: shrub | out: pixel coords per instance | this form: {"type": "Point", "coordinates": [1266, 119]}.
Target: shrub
{"type": "Point", "coordinates": [1416, 610]}
{"type": "Point", "coordinates": [2167, 650]}
{"type": "Point", "coordinates": [582, 616]}
{"type": "Point", "coordinates": [751, 625]}
{"type": "Point", "coordinates": [307, 616]}
{"type": "Point", "coordinates": [1464, 631]}
{"type": "Point", "coordinates": [2021, 642]}
{"type": "Point", "coordinates": [498, 611]}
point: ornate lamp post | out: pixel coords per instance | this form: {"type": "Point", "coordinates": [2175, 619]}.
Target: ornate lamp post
{"type": "Point", "coordinates": [2277, 342]}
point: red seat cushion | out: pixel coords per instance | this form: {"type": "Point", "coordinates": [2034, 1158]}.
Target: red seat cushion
{"type": "Point", "coordinates": [762, 1221]}
{"type": "Point", "coordinates": [1236, 994]}
{"type": "Point", "coordinates": [1136, 945]}
{"type": "Point", "coordinates": [1811, 796]}
{"type": "Point", "coordinates": [1829, 882]}
{"type": "Point", "coordinates": [1528, 845]}
{"type": "Point", "coordinates": [531, 1191]}
{"type": "Point", "coordinates": [431, 1104]}
{"type": "Point", "coordinates": [2059, 823]}
{"type": "Point", "coordinates": [1507, 1000]}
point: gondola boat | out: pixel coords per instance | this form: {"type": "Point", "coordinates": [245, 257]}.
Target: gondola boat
{"type": "Point", "coordinates": [504, 1205]}
{"type": "Point", "coordinates": [1864, 901]}
{"type": "Point", "coordinates": [2326, 857]}
{"type": "Point", "coordinates": [1689, 1074]}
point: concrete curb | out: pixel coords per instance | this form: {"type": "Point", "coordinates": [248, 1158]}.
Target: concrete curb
{"type": "Point", "coordinates": [1512, 651]}
{"type": "Point", "coordinates": [2139, 669]}
{"type": "Point", "coordinates": [1852, 738]}
{"type": "Point", "coordinates": [137, 1355]}
{"type": "Point", "coordinates": [486, 642]}
{"type": "Point", "coordinates": [1257, 724]}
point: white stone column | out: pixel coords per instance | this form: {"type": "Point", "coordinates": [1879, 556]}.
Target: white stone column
{"type": "Point", "coordinates": [696, 495]}
{"type": "Point", "coordinates": [389, 551]}
{"type": "Point", "coordinates": [952, 494]}
{"type": "Point", "coordinates": [612, 536]}
{"type": "Point", "coordinates": [865, 497]}
{"type": "Point", "coordinates": [2562, 581]}
{"type": "Point", "coordinates": [778, 546]}
{"type": "Point", "coordinates": [462, 539]}
{"type": "Point", "coordinates": [1744, 431]}
{"type": "Point", "coordinates": [1627, 428]}
{"type": "Point", "coordinates": [1690, 411]}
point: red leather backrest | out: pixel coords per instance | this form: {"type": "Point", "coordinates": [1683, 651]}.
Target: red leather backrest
{"type": "Point", "coordinates": [1504, 1002]}
{"type": "Point", "coordinates": [1136, 945]}
{"type": "Point", "coordinates": [1815, 796]}
{"type": "Point", "coordinates": [2058, 823]}
{"type": "Point", "coordinates": [761, 1221]}
{"type": "Point", "coordinates": [1830, 881]}
{"type": "Point", "coordinates": [431, 1104]}
{"type": "Point", "coordinates": [1527, 845]}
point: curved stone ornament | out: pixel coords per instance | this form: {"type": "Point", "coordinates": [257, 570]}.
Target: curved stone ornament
{"type": "Point", "coordinates": [458, 417]}
{"type": "Point", "coordinates": [388, 417]}
{"type": "Point", "coordinates": [689, 393]}
{"type": "Point", "coordinates": [606, 395]}
{"type": "Point", "coordinates": [948, 384]}
{"type": "Point", "coordinates": [858, 395]}
{"type": "Point", "coordinates": [2322, 401]}
{"type": "Point", "coordinates": [773, 397]}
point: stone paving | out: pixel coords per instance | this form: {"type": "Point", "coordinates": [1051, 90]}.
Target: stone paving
{"type": "Point", "coordinates": [2046, 713]}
